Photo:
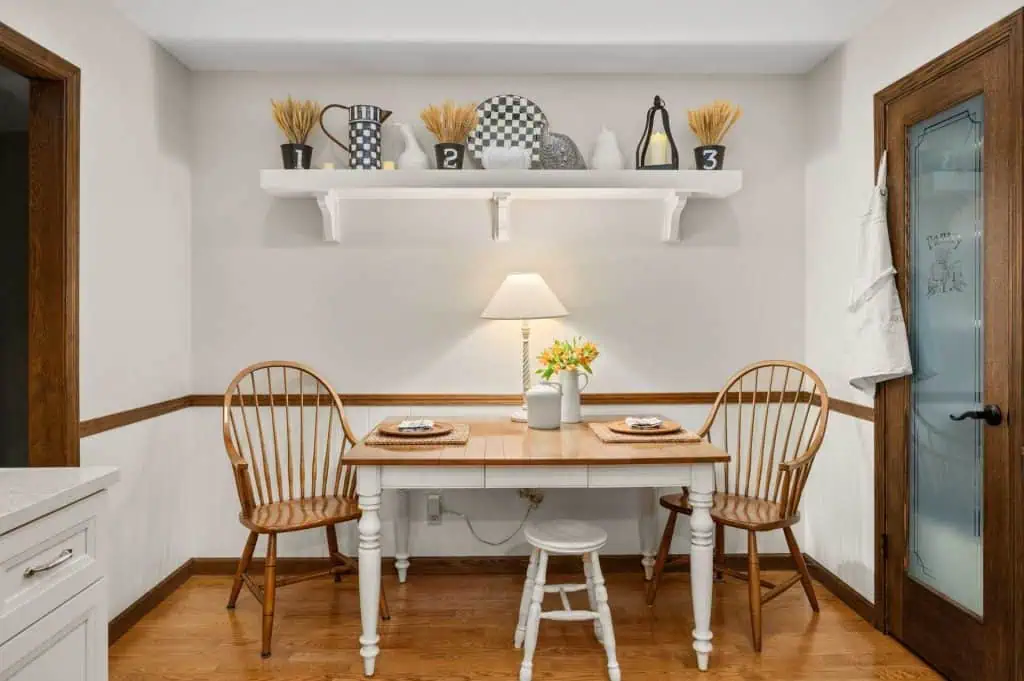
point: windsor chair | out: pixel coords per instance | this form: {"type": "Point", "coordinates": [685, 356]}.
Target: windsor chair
{"type": "Point", "coordinates": [286, 435]}
{"type": "Point", "coordinates": [760, 418]}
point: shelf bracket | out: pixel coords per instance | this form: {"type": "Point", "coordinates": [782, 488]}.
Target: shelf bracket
{"type": "Point", "coordinates": [501, 228]}
{"type": "Point", "coordinates": [330, 213]}
{"type": "Point", "coordinates": [674, 204]}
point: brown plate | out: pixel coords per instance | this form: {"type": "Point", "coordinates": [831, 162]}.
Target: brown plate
{"type": "Point", "coordinates": [666, 428]}
{"type": "Point", "coordinates": [438, 430]}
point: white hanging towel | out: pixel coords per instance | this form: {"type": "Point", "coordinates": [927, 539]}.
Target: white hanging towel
{"type": "Point", "coordinates": [880, 350]}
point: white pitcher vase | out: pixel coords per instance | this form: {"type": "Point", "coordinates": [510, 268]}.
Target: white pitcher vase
{"type": "Point", "coordinates": [571, 389]}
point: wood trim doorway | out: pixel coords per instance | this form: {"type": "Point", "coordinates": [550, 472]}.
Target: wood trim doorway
{"type": "Point", "coordinates": [937, 81]}
{"type": "Point", "coordinates": [53, 248]}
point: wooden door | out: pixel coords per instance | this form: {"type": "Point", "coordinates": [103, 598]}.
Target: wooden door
{"type": "Point", "coordinates": [948, 435]}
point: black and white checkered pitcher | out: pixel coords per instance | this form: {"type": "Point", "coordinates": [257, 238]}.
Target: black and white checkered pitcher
{"type": "Point", "coordinates": [364, 121]}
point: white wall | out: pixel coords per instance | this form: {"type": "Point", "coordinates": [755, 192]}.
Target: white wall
{"type": "Point", "coordinates": [134, 239]}
{"type": "Point", "coordinates": [395, 307]}
{"type": "Point", "coordinates": [839, 176]}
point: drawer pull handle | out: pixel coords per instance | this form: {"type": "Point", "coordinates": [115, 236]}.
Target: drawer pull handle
{"type": "Point", "coordinates": [64, 557]}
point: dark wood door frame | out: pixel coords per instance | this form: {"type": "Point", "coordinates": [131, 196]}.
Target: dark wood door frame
{"type": "Point", "coordinates": [53, 248]}
{"type": "Point", "coordinates": [1009, 31]}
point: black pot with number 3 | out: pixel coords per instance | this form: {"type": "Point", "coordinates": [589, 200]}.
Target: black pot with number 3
{"type": "Point", "coordinates": [710, 157]}
{"type": "Point", "coordinates": [449, 155]}
{"type": "Point", "coordinates": [295, 156]}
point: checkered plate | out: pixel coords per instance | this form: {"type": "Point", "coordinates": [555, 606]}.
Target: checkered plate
{"type": "Point", "coordinates": [508, 121]}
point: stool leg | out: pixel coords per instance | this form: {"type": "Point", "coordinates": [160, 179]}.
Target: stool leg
{"type": "Point", "coordinates": [533, 619]}
{"type": "Point", "coordinates": [524, 602]}
{"type": "Point", "coordinates": [591, 596]}
{"type": "Point", "coordinates": [605, 613]}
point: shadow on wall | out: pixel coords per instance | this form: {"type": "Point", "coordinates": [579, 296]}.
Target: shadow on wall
{"type": "Point", "coordinates": [171, 98]}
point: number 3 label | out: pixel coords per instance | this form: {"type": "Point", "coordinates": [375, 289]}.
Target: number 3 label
{"type": "Point", "coordinates": [710, 159]}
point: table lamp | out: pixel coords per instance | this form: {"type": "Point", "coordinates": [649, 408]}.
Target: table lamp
{"type": "Point", "coordinates": [524, 297]}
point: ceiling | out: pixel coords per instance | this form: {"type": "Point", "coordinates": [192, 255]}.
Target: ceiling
{"type": "Point", "coordinates": [503, 36]}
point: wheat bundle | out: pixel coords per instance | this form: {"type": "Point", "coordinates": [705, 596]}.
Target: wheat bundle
{"type": "Point", "coordinates": [295, 118]}
{"type": "Point", "coordinates": [712, 121]}
{"type": "Point", "coordinates": [450, 123]}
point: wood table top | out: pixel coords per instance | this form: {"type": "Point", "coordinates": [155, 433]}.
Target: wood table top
{"type": "Point", "coordinates": [502, 442]}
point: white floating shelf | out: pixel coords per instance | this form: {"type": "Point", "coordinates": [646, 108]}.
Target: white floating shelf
{"type": "Point", "coordinates": [332, 188]}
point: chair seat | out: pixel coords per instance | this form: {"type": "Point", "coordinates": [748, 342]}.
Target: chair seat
{"type": "Point", "coordinates": [566, 537]}
{"type": "Point", "coordinates": [736, 511]}
{"type": "Point", "coordinates": [301, 514]}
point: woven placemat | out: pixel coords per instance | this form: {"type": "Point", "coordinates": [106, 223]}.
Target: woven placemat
{"type": "Point", "coordinates": [605, 434]}
{"type": "Point", "coordinates": [458, 436]}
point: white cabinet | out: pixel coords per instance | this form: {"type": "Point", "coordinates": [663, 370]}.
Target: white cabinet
{"type": "Point", "coordinates": [53, 602]}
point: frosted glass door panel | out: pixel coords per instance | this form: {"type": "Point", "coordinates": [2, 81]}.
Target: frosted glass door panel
{"type": "Point", "coordinates": [947, 340]}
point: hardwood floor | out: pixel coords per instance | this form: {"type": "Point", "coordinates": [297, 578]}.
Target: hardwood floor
{"type": "Point", "coordinates": [459, 628]}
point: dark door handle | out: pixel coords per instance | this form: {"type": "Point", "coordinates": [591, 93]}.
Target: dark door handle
{"type": "Point", "coordinates": [990, 414]}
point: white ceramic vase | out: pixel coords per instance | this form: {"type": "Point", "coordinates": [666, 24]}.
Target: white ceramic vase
{"type": "Point", "coordinates": [571, 389]}
{"type": "Point", "coordinates": [606, 152]}
{"type": "Point", "coordinates": [413, 157]}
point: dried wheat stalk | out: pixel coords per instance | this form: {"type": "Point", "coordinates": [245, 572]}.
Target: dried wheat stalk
{"type": "Point", "coordinates": [295, 118]}
{"type": "Point", "coordinates": [711, 122]}
{"type": "Point", "coordinates": [450, 123]}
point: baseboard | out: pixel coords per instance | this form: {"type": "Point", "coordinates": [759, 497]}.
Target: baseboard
{"type": "Point", "coordinates": [841, 590]}
{"type": "Point", "coordinates": [149, 600]}
{"type": "Point", "coordinates": [472, 565]}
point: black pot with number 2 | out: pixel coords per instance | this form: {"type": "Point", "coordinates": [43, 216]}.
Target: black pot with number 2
{"type": "Point", "coordinates": [710, 157]}
{"type": "Point", "coordinates": [449, 155]}
{"type": "Point", "coordinates": [295, 156]}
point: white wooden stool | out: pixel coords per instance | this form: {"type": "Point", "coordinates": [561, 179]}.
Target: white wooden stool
{"type": "Point", "coordinates": [566, 538]}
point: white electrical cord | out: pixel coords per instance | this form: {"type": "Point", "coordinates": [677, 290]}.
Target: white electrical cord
{"type": "Point", "coordinates": [529, 510]}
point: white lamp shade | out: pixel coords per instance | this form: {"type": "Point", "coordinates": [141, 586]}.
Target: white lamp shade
{"type": "Point", "coordinates": [524, 296]}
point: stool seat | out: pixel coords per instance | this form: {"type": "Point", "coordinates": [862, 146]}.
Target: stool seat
{"type": "Point", "coordinates": [566, 537]}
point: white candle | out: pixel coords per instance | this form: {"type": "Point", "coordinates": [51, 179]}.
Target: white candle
{"type": "Point", "coordinates": [328, 166]}
{"type": "Point", "coordinates": [657, 150]}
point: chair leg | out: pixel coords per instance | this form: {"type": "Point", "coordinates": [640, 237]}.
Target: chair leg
{"type": "Point", "coordinates": [801, 566]}
{"type": "Point", "coordinates": [659, 563]}
{"type": "Point", "coordinates": [243, 566]}
{"type": "Point", "coordinates": [605, 614]}
{"type": "Point", "coordinates": [385, 611]}
{"type": "Point", "coordinates": [719, 550]}
{"type": "Point", "coordinates": [332, 548]}
{"type": "Point", "coordinates": [754, 563]}
{"type": "Point", "coordinates": [524, 601]}
{"type": "Point", "coordinates": [269, 586]}
{"type": "Point", "coordinates": [533, 618]}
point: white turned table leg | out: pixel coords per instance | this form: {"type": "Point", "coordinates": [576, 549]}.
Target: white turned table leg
{"type": "Point", "coordinates": [402, 536]}
{"type": "Point", "coordinates": [648, 530]}
{"type": "Point", "coordinates": [524, 601]}
{"type": "Point", "coordinates": [702, 552]}
{"type": "Point", "coordinates": [368, 488]}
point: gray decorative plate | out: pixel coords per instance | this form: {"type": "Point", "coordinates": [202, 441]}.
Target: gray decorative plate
{"type": "Point", "coordinates": [508, 121]}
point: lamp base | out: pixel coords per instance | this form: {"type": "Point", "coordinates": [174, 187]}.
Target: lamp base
{"type": "Point", "coordinates": [519, 416]}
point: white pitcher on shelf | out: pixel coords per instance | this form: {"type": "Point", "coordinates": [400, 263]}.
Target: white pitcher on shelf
{"type": "Point", "coordinates": [571, 389]}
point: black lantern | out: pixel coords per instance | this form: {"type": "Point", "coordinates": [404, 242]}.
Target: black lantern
{"type": "Point", "coordinates": [671, 163]}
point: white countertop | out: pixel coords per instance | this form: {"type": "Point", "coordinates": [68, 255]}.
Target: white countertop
{"type": "Point", "coordinates": [29, 493]}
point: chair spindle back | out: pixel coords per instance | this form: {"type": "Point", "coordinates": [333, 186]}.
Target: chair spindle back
{"type": "Point", "coordinates": [771, 418]}
{"type": "Point", "coordinates": [286, 434]}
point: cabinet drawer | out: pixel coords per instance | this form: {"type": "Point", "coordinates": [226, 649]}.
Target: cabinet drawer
{"type": "Point", "coordinates": [69, 644]}
{"type": "Point", "coordinates": [48, 561]}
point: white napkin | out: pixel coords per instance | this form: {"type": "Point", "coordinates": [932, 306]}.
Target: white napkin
{"type": "Point", "coordinates": [416, 424]}
{"type": "Point", "coordinates": [643, 422]}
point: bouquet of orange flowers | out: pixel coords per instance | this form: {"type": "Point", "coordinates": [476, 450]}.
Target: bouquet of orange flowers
{"type": "Point", "coordinates": [578, 353]}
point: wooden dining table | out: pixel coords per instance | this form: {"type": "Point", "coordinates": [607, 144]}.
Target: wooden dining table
{"type": "Point", "coordinates": [501, 454]}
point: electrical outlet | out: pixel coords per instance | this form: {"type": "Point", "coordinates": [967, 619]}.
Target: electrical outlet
{"type": "Point", "coordinates": [433, 509]}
